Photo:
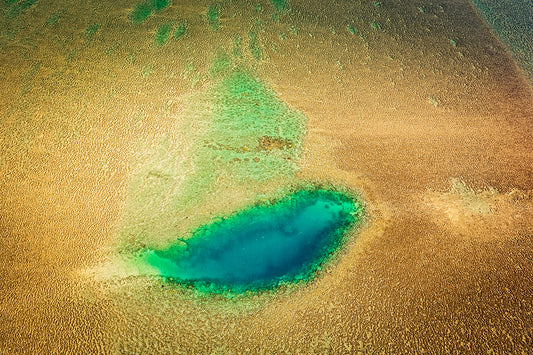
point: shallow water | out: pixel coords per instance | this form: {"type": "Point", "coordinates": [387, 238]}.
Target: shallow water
{"type": "Point", "coordinates": [261, 246]}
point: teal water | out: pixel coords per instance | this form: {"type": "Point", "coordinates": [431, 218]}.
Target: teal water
{"type": "Point", "coordinates": [512, 22]}
{"type": "Point", "coordinates": [262, 246]}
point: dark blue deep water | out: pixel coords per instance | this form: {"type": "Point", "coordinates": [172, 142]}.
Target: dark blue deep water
{"type": "Point", "coordinates": [262, 246]}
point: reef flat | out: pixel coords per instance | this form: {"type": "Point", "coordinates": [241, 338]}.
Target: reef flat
{"type": "Point", "coordinates": [130, 128]}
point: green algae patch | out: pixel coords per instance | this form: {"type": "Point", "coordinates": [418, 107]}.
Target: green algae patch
{"type": "Point", "coordinates": [160, 5]}
{"type": "Point", "coordinates": [17, 8]}
{"type": "Point", "coordinates": [352, 29]}
{"type": "Point", "coordinates": [212, 15]}
{"type": "Point", "coordinates": [162, 34]}
{"type": "Point", "coordinates": [376, 25]}
{"type": "Point", "coordinates": [180, 30]}
{"type": "Point", "coordinates": [141, 12]}
{"type": "Point", "coordinates": [52, 20]}
{"type": "Point", "coordinates": [145, 9]}
{"type": "Point", "coordinates": [91, 30]}
{"type": "Point", "coordinates": [260, 247]}
{"type": "Point", "coordinates": [280, 5]}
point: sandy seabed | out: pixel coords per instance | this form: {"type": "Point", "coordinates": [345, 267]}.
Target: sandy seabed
{"type": "Point", "coordinates": [415, 105]}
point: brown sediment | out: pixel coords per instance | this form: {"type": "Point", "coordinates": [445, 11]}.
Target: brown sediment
{"type": "Point", "coordinates": [435, 137]}
{"type": "Point", "coordinates": [269, 143]}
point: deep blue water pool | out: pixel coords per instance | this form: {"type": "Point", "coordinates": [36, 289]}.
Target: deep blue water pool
{"type": "Point", "coordinates": [264, 245]}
